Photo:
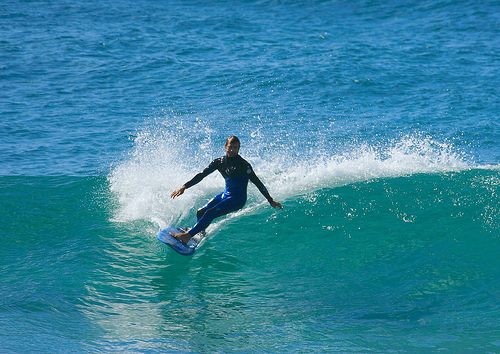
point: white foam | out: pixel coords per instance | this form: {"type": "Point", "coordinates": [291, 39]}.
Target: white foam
{"type": "Point", "coordinates": [143, 182]}
{"type": "Point", "coordinates": [404, 157]}
{"type": "Point", "coordinates": [162, 162]}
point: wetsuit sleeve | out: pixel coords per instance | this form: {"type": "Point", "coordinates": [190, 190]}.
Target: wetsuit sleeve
{"type": "Point", "coordinates": [255, 180]}
{"type": "Point", "coordinates": [196, 179]}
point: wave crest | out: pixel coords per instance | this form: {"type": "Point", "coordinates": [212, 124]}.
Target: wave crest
{"type": "Point", "coordinates": [162, 162]}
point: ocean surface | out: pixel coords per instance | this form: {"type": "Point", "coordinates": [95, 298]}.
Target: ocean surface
{"type": "Point", "coordinates": [376, 125]}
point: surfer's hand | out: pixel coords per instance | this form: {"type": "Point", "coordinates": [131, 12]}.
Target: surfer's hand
{"type": "Point", "coordinates": [178, 192]}
{"type": "Point", "coordinates": [276, 205]}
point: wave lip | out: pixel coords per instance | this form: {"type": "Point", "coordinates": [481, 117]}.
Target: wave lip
{"type": "Point", "coordinates": [366, 162]}
{"type": "Point", "coordinates": [142, 183]}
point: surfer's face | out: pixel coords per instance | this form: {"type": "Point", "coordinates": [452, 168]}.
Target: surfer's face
{"type": "Point", "coordinates": [232, 149]}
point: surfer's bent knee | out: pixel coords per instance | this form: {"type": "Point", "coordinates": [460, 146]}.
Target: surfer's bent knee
{"type": "Point", "coordinates": [200, 213]}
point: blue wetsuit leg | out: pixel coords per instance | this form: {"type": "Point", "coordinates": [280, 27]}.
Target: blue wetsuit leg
{"type": "Point", "coordinates": [216, 208]}
{"type": "Point", "coordinates": [213, 202]}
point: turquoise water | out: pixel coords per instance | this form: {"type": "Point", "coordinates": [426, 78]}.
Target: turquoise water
{"type": "Point", "coordinates": [375, 125]}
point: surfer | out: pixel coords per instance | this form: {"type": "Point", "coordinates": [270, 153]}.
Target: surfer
{"type": "Point", "coordinates": [237, 172]}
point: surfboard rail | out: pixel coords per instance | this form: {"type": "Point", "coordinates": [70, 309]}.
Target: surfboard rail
{"type": "Point", "coordinates": [178, 246]}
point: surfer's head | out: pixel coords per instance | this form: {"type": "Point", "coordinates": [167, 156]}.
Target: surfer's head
{"type": "Point", "coordinates": [232, 146]}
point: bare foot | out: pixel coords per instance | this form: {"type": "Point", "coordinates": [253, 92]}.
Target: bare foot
{"type": "Point", "coordinates": [184, 237]}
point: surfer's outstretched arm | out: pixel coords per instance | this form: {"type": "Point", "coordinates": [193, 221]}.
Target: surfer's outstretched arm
{"type": "Point", "coordinates": [255, 180]}
{"type": "Point", "coordinates": [196, 179]}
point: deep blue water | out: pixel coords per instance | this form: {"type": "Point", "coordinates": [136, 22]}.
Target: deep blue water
{"type": "Point", "coordinates": [376, 125]}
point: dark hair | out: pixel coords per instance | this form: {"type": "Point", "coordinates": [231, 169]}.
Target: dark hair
{"type": "Point", "coordinates": [232, 139]}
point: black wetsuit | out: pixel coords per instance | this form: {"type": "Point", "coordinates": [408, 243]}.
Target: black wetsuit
{"type": "Point", "coordinates": [236, 172]}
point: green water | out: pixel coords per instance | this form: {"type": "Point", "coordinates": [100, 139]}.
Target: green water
{"type": "Point", "coordinates": [406, 262]}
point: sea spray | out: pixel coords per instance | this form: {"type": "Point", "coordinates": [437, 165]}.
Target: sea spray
{"type": "Point", "coordinates": [163, 161]}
